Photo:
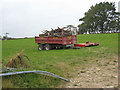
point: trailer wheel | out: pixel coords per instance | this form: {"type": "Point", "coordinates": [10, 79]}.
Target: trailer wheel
{"type": "Point", "coordinates": [64, 47]}
{"type": "Point", "coordinates": [48, 47]}
{"type": "Point", "coordinates": [40, 47]}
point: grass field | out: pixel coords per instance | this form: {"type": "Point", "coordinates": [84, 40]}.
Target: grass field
{"type": "Point", "coordinates": [62, 62]}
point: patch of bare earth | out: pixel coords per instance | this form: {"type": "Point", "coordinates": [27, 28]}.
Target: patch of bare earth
{"type": "Point", "coordinates": [102, 74]}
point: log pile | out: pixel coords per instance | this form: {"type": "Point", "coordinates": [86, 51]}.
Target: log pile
{"type": "Point", "coordinates": [56, 33]}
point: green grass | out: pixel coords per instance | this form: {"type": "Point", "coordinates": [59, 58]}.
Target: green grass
{"type": "Point", "coordinates": [64, 62]}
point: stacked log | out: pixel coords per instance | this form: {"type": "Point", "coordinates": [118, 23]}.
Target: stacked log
{"type": "Point", "coordinates": [56, 33]}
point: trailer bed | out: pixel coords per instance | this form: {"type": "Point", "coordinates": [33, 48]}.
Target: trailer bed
{"type": "Point", "coordinates": [56, 40]}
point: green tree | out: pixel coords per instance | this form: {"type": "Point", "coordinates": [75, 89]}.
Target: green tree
{"type": "Point", "coordinates": [100, 18]}
{"type": "Point", "coordinates": [82, 29]}
{"type": "Point", "coordinates": [117, 22]}
{"type": "Point", "coordinates": [6, 34]}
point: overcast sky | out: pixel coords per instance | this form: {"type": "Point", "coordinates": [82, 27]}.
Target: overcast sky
{"type": "Point", "coordinates": [22, 18]}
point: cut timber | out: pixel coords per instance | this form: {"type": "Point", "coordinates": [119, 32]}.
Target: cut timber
{"type": "Point", "coordinates": [56, 33]}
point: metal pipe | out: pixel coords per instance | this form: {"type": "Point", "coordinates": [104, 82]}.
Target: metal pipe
{"type": "Point", "coordinates": [38, 72]}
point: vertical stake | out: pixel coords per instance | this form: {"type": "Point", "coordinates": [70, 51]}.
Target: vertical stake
{"type": "Point", "coordinates": [11, 62]}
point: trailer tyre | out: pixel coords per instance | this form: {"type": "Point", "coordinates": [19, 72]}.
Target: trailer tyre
{"type": "Point", "coordinates": [64, 47]}
{"type": "Point", "coordinates": [40, 47]}
{"type": "Point", "coordinates": [48, 47]}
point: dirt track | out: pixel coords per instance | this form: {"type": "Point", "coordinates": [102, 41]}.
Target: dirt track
{"type": "Point", "coordinates": [102, 74]}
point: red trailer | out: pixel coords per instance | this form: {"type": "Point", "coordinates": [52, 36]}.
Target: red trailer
{"type": "Point", "coordinates": [48, 43]}
{"type": "Point", "coordinates": [62, 41]}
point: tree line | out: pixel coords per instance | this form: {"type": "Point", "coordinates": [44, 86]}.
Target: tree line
{"type": "Point", "coordinates": [101, 18]}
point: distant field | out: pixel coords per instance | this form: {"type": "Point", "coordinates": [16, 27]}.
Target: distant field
{"type": "Point", "coordinates": [62, 62]}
